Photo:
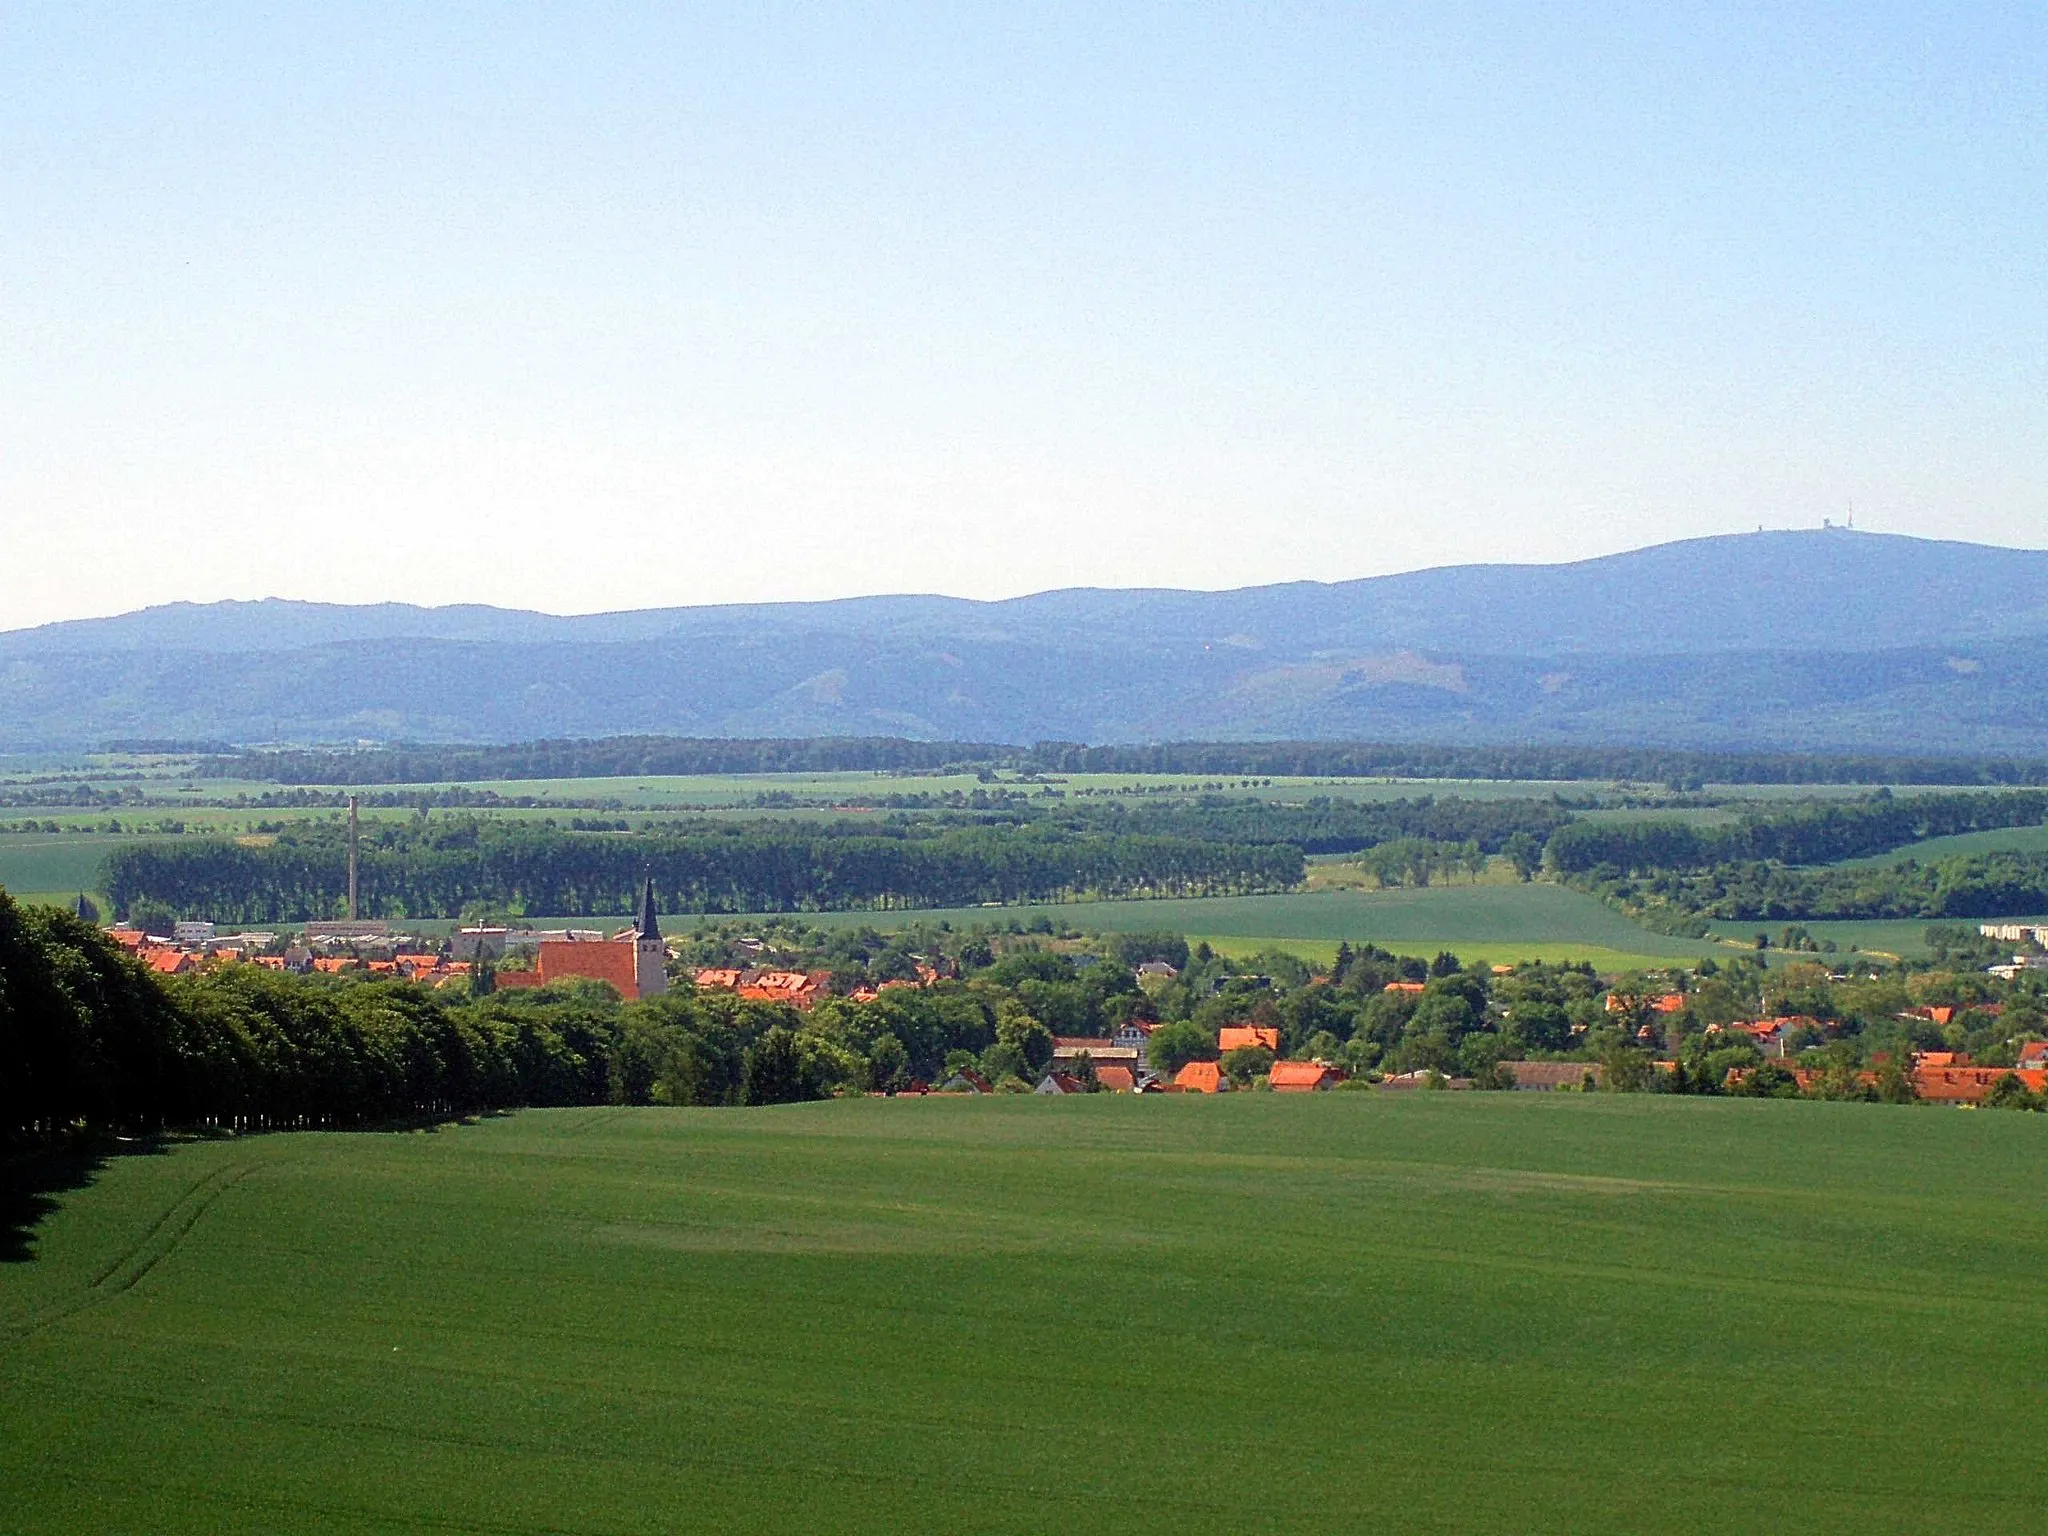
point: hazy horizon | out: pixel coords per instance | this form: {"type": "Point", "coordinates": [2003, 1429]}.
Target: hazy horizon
{"type": "Point", "coordinates": [587, 310]}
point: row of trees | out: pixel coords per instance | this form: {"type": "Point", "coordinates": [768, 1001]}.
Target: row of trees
{"type": "Point", "coordinates": [87, 1036]}
{"type": "Point", "coordinates": [443, 869]}
{"type": "Point", "coordinates": [1819, 833]}
{"type": "Point", "coordinates": [1329, 825]}
{"type": "Point", "coordinates": [608, 757]}
{"type": "Point", "coordinates": [1352, 759]}
{"type": "Point", "coordinates": [1964, 886]}
{"type": "Point", "coordinates": [639, 755]}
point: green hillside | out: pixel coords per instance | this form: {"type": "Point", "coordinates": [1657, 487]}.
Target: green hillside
{"type": "Point", "coordinates": [1509, 1313]}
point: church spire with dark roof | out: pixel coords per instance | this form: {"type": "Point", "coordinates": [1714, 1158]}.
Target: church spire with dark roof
{"type": "Point", "coordinates": [648, 927]}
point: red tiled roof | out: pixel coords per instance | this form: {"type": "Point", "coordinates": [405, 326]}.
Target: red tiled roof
{"type": "Point", "coordinates": [1940, 1059]}
{"type": "Point", "coordinates": [1968, 1085]}
{"type": "Point", "coordinates": [610, 962]}
{"type": "Point", "coordinates": [1199, 1077]}
{"type": "Point", "coordinates": [1117, 1079]}
{"type": "Point", "coordinates": [1302, 1076]}
{"type": "Point", "coordinates": [1234, 1035]}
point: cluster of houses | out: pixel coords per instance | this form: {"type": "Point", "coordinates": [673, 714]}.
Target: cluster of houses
{"type": "Point", "coordinates": [633, 960]}
{"type": "Point", "coordinates": [803, 989]}
{"type": "Point", "coordinates": [196, 947]}
{"type": "Point", "coordinates": [1951, 1077]}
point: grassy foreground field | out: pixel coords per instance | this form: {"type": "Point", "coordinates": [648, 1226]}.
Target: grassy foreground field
{"type": "Point", "coordinates": [1509, 1313]}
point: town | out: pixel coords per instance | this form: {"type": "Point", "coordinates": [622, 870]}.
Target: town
{"type": "Point", "coordinates": [1225, 1027]}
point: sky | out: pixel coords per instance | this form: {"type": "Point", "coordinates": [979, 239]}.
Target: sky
{"type": "Point", "coordinates": [600, 306]}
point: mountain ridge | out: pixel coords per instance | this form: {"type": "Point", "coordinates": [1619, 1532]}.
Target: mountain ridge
{"type": "Point", "coordinates": [1799, 639]}
{"type": "Point", "coordinates": [1403, 608]}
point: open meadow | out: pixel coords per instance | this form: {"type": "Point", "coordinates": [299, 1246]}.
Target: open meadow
{"type": "Point", "coordinates": [1351, 1312]}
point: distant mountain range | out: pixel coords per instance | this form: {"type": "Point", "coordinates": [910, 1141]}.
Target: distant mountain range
{"type": "Point", "coordinates": [1799, 640]}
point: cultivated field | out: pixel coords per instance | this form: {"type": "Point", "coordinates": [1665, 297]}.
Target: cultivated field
{"type": "Point", "coordinates": [1493, 922]}
{"type": "Point", "coordinates": [40, 867]}
{"type": "Point", "coordinates": [1472, 1313]}
{"type": "Point", "coordinates": [2005, 839]}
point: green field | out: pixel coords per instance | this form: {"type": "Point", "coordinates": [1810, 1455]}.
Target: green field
{"type": "Point", "coordinates": [1506, 917]}
{"type": "Point", "coordinates": [1437, 1312]}
{"type": "Point", "coordinates": [59, 866]}
{"type": "Point", "coordinates": [1498, 924]}
{"type": "Point", "coordinates": [2003, 840]}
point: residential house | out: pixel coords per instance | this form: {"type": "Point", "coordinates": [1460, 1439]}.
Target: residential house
{"type": "Point", "coordinates": [1231, 1036]}
{"type": "Point", "coordinates": [1770, 1035]}
{"type": "Point", "coordinates": [1303, 1077]}
{"type": "Point", "coordinates": [798, 989]}
{"type": "Point", "coordinates": [1421, 1078]}
{"type": "Point", "coordinates": [1117, 1079]}
{"type": "Point", "coordinates": [1932, 1015]}
{"type": "Point", "coordinates": [1060, 1082]}
{"type": "Point", "coordinates": [1663, 1002]}
{"type": "Point", "coordinates": [2034, 1054]}
{"type": "Point", "coordinates": [1201, 1077]}
{"type": "Point", "coordinates": [1102, 1050]}
{"type": "Point", "coordinates": [1551, 1076]}
{"type": "Point", "coordinates": [1968, 1085]}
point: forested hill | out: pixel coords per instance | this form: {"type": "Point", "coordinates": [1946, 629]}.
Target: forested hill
{"type": "Point", "coordinates": [1763, 641]}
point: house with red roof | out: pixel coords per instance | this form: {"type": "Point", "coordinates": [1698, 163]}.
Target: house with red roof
{"type": "Point", "coordinates": [1303, 1077]}
{"type": "Point", "coordinates": [1232, 1036]}
{"type": "Point", "coordinates": [1201, 1077]}
{"type": "Point", "coordinates": [1969, 1085]}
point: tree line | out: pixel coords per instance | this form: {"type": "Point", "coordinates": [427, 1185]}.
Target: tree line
{"type": "Point", "coordinates": [608, 757]}
{"type": "Point", "coordinates": [1965, 886]}
{"type": "Point", "coordinates": [1821, 833]}
{"type": "Point", "coordinates": [1327, 824]}
{"type": "Point", "coordinates": [638, 755]}
{"type": "Point", "coordinates": [88, 1037]}
{"type": "Point", "coordinates": [445, 868]}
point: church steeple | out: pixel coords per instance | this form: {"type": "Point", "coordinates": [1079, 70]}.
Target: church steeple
{"type": "Point", "coordinates": [650, 951]}
{"type": "Point", "coordinates": [648, 927]}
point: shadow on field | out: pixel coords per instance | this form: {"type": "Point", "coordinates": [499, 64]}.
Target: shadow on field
{"type": "Point", "coordinates": [32, 1180]}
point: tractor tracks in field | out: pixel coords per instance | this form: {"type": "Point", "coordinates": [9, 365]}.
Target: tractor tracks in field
{"type": "Point", "coordinates": [584, 1124]}
{"type": "Point", "coordinates": [128, 1268]}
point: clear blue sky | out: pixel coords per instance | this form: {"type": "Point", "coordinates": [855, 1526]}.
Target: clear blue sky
{"type": "Point", "coordinates": [602, 306]}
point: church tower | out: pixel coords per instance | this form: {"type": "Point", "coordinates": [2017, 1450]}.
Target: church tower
{"type": "Point", "coordinates": [650, 954]}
